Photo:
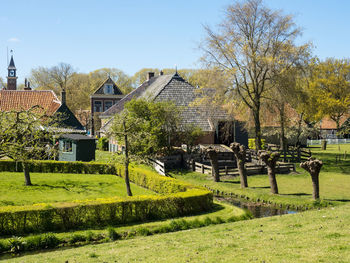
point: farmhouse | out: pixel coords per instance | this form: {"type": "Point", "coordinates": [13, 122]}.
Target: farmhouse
{"type": "Point", "coordinates": [104, 97]}
{"type": "Point", "coordinates": [174, 88]}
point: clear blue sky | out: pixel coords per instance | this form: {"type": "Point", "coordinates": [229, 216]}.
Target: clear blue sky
{"type": "Point", "coordinates": [134, 34]}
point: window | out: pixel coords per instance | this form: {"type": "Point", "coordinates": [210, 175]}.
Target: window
{"type": "Point", "coordinates": [97, 106]}
{"type": "Point", "coordinates": [108, 104]}
{"type": "Point", "coordinates": [67, 146]}
{"type": "Point", "coordinates": [109, 89]}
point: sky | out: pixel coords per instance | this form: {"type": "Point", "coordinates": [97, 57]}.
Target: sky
{"type": "Point", "coordinates": [135, 34]}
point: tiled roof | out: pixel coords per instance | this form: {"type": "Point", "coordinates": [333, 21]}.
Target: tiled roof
{"type": "Point", "coordinates": [328, 124]}
{"type": "Point", "coordinates": [116, 90]}
{"type": "Point", "coordinates": [171, 88]}
{"type": "Point", "coordinates": [25, 99]}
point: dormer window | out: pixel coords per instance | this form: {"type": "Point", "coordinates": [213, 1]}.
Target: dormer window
{"type": "Point", "coordinates": [108, 89]}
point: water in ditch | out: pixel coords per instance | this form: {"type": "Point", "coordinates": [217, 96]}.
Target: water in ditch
{"type": "Point", "coordinates": [257, 210]}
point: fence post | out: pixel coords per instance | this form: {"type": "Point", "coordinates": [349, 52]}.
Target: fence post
{"type": "Point", "coordinates": [226, 172]}
{"type": "Point", "coordinates": [193, 165]}
{"type": "Point", "coordinates": [202, 168]}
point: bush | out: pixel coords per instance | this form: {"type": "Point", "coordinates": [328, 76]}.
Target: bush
{"type": "Point", "coordinates": [59, 167]}
{"type": "Point", "coordinates": [102, 144]}
{"type": "Point", "coordinates": [143, 231]}
{"type": "Point", "coordinates": [75, 238]}
{"type": "Point", "coordinates": [112, 234]}
{"type": "Point", "coordinates": [251, 143]}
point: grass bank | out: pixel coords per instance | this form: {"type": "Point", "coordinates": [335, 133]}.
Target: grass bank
{"type": "Point", "coordinates": [57, 187]}
{"type": "Point", "coordinates": [312, 236]}
{"type": "Point", "coordinates": [220, 213]}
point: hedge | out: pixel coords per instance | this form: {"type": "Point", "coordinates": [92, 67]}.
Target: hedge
{"type": "Point", "coordinates": [251, 143]}
{"type": "Point", "coordinates": [37, 166]}
{"type": "Point", "coordinates": [179, 199]}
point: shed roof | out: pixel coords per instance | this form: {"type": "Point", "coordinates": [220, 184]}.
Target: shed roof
{"type": "Point", "coordinates": [76, 137]}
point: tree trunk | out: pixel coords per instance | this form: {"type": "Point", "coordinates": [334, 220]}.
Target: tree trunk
{"type": "Point", "coordinates": [283, 141]}
{"type": "Point", "coordinates": [313, 166]}
{"type": "Point", "coordinates": [213, 156]}
{"type": "Point", "coordinates": [26, 171]}
{"type": "Point", "coordinates": [127, 181]}
{"type": "Point", "coordinates": [240, 154]}
{"type": "Point", "coordinates": [270, 159]}
{"type": "Point", "coordinates": [316, 187]}
{"type": "Point", "coordinates": [271, 171]}
{"type": "Point", "coordinates": [242, 173]}
{"type": "Point", "coordinates": [299, 129]}
{"type": "Point", "coordinates": [256, 115]}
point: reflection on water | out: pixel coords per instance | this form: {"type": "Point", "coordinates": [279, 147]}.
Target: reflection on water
{"type": "Point", "coordinates": [258, 210]}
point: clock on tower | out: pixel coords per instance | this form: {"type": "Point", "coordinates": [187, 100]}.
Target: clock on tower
{"type": "Point", "coordinates": [11, 78]}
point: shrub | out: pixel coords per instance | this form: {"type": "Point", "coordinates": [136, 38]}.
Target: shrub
{"type": "Point", "coordinates": [251, 143]}
{"type": "Point", "coordinates": [143, 231]}
{"type": "Point", "coordinates": [75, 238]}
{"type": "Point", "coordinates": [112, 234]}
{"type": "Point", "coordinates": [16, 244]}
{"type": "Point", "coordinates": [4, 246]}
{"type": "Point", "coordinates": [102, 144]}
{"type": "Point", "coordinates": [37, 166]}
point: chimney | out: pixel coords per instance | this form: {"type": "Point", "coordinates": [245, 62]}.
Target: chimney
{"type": "Point", "coordinates": [150, 75]}
{"type": "Point", "coordinates": [27, 85]}
{"type": "Point", "coordinates": [63, 96]}
{"type": "Point", "coordinates": [161, 73]}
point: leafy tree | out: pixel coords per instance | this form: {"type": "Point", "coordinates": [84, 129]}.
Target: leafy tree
{"type": "Point", "coordinates": [252, 45]}
{"type": "Point", "coordinates": [329, 85]}
{"type": "Point", "coordinates": [24, 135]}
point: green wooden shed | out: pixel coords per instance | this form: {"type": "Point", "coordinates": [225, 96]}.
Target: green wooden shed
{"type": "Point", "coordinates": [76, 147]}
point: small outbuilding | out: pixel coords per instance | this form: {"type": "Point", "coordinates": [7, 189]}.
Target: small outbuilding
{"type": "Point", "coordinates": [76, 147]}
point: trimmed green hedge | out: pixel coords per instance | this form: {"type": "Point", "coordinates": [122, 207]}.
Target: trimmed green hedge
{"type": "Point", "coordinates": [179, 199]}
{"type": "Point", "coordinates": [59, 167]}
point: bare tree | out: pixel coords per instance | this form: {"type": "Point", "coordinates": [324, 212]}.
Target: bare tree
{"type": "Point", "coordinates": [270, 159]}
{"type": "Point", "coordinates": [253, 44]}
{"type": "Point", "coordinates": [240, 154]}
{"type": "Point", "coordinates": [313, 166]}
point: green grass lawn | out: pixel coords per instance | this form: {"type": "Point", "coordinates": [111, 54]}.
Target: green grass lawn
{"type": "Point", "coordinates": [57, 187]}
{"type": "Point", "coordinates": [313, 236]}
{"type": "Point", "coordinates": [294, 188]}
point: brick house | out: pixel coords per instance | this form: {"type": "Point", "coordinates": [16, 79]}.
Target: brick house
{"type": "Point", "coordinates": [174, 88]}
{"type": "Point", "coordinates": [105, 96]}
{"type": "Point", "coordinates": [13, 99]}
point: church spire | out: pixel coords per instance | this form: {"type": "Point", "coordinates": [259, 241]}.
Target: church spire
{"type": "Point", "coordinates": [11, 76]}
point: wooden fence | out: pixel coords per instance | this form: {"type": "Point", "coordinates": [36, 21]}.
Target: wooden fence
{"type": "Point", "coordinates": [252, 169]}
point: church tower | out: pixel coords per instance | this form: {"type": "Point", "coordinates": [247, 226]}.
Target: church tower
{"type": "Point", "coordinates": [11, 76]}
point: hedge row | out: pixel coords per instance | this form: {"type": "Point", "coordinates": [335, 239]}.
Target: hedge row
{"type": "Point", "coordinates": [59, 167]}
{"type": "Point", "coordinates": [180, 199]}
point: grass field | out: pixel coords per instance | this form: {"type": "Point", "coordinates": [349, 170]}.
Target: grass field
{"type": "Point", "coordinates": [56, 187]}
{"type": "Point", "coordinates": [294, 188]}
{"type": "Point", "coordinates": [313, 236]}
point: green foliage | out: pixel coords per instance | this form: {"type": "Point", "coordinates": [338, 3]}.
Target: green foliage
{"type": "Point", "coordinates": [102, 144]}
{"type": "Point", "coordinates": [251, 143]}
{"type": "Point", "coordinates": [38, 166]}
{"type": "Point", "coordinates": [112, 234]}
{"type": "Point", "coordinates": [180, 199]}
